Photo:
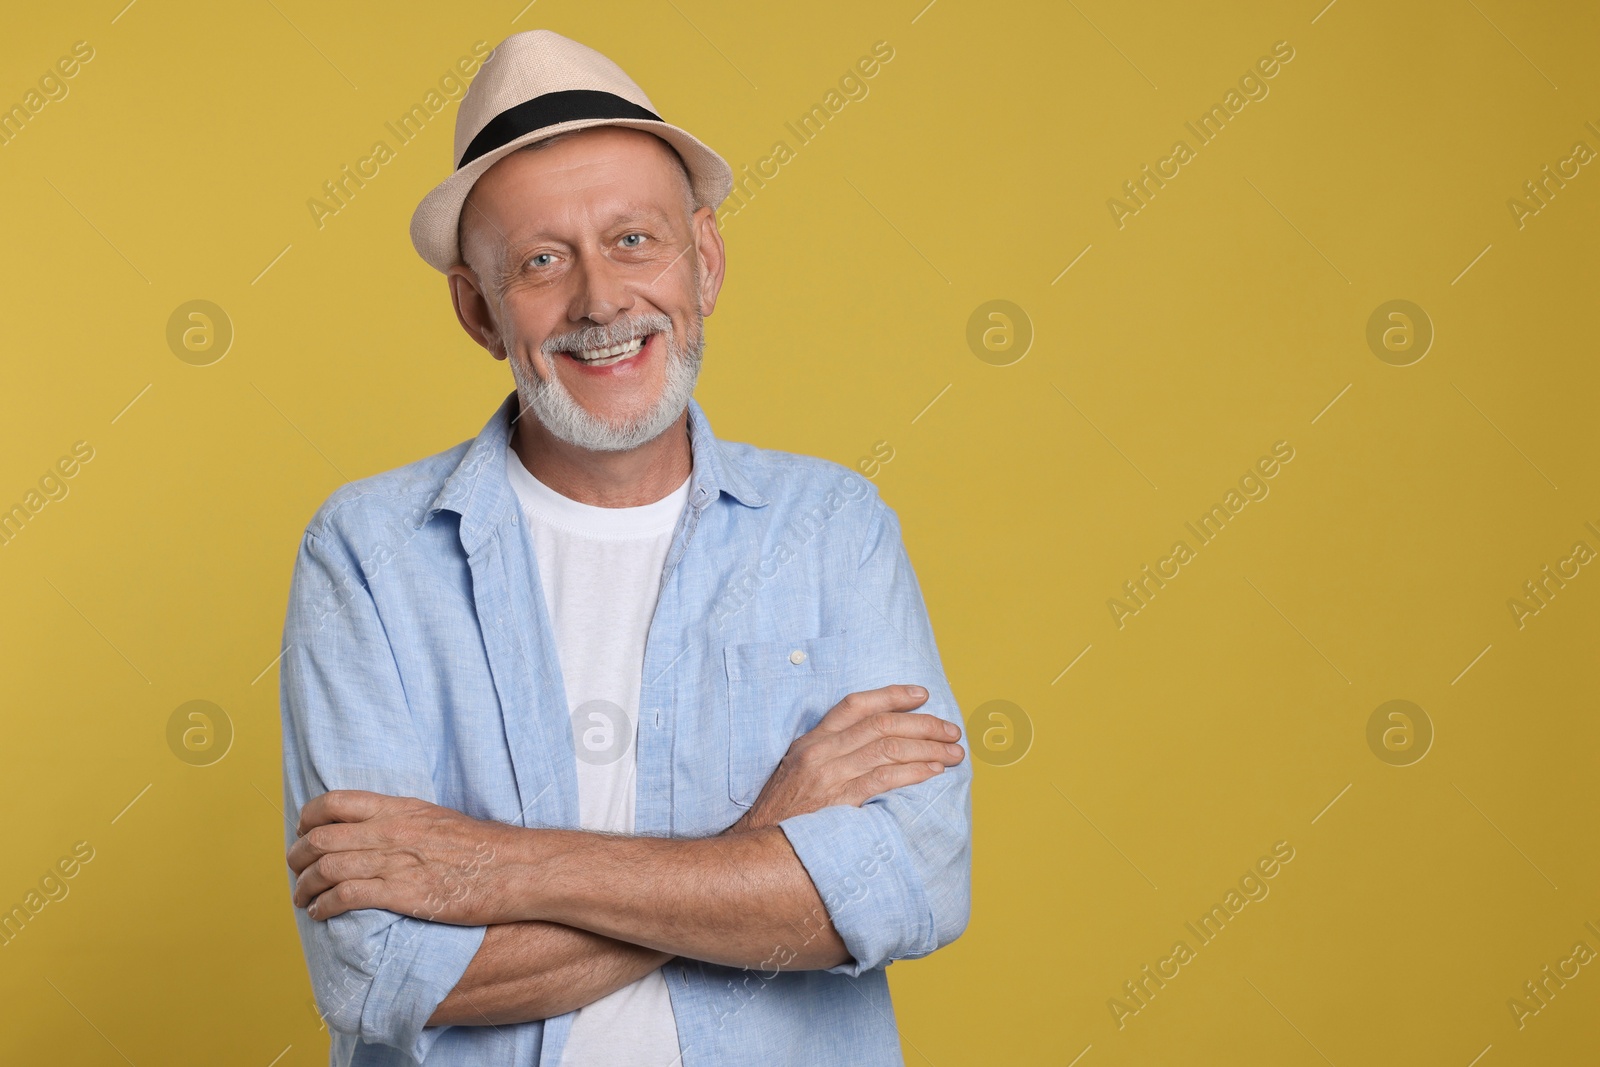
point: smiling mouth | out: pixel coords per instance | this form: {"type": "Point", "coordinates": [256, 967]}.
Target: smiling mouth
{"type": "Point", "coordinates": [605, 357]}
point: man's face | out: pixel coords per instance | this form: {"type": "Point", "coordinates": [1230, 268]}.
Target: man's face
{"type": "Point", "coordinates": [593, 283]}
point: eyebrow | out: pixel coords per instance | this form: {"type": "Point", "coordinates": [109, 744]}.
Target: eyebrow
{"type": "Point", "coordinates": [642, 212]}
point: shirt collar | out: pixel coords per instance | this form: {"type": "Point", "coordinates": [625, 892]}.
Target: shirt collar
{"type": "Point", "coordinates": [717, 468]}
{"type": "Point", "coordinates": [479, 491]}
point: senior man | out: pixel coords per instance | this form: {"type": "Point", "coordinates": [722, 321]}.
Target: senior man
{"type": "Point", "coordinates": [612, 742]}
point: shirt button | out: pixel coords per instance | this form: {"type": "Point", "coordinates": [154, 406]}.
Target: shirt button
{"type": "Point", "coordinates": [797, 656]}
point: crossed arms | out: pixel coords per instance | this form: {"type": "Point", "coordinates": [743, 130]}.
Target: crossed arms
{"type": "Point", "coordinates": [547, 921]}
{"type": "Point", "coordinates": [573, 916]}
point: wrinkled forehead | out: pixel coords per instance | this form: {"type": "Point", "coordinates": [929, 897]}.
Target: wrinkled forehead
{"type": "Point", "coordinates": [602, 176]}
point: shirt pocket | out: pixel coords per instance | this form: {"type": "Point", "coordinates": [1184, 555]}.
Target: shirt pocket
{"type": "Point", "coordinates": [777, 691]}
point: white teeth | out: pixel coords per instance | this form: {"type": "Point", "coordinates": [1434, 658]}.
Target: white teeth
{"type": "Point", "coordinates": [603, 357]}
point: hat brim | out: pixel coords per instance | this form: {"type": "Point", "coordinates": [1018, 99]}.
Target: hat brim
{"type": "Point", "coordinates": [435, 223]}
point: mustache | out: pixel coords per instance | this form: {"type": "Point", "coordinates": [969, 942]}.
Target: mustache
{"type": "Point", "coordinates": [612, 333]}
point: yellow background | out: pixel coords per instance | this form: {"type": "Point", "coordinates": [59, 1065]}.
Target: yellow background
{"type": "Point", "coordinates": [1223, 317]}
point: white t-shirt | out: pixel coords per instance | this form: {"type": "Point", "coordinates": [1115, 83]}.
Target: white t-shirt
{"type": "Point", "coordinates": [601, 570]}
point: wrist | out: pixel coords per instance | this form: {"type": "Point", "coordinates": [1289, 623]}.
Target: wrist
{"type": "Point", "coordinates": [523, 864]}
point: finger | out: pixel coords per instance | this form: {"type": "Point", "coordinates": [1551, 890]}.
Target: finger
{"type": "Point", "coordinates": [330, 870]}
{"type": "Point", "coordinates": [338, 805]}
{"type": "Point", "coordinates": [889, 776]}
{"type": "Point", "coordinates": [890, 750]}
{"type": "Point", "coordinates": [899, 724]}
{"type": "Point", "coordinates": [319, 841]}
{"type": "Point", "coordinates": [347, 896]}
{"type": "Point", "coordinates": [857, 706]}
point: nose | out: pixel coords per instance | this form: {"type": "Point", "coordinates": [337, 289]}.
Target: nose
{"type": "Point", "coordinates": [601, 293]}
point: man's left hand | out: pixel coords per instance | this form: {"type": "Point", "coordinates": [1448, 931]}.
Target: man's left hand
{"type": "Point", "coordinates": [366, 850]}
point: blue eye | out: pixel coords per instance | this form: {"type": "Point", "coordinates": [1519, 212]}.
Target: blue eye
{"type": "Point", "coordinates": [542, 255]}
{"type": "Point", "coordinates": [630, 237]}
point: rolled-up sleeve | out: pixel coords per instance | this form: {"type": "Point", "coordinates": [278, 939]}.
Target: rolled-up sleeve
{"type": "Point", "coordinates": [895, 873]}
{"type": "Point", "coordinates": [377, 975]}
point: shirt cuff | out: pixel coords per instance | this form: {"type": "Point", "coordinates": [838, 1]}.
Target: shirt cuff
{"type": "Point", "coordinates": [422, 962]}
{"type": "Point", "coordinates": [859, 862]}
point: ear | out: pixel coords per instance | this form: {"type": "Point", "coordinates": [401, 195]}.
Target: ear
{"type": "Point", "coordinates": [713, 257]}
{"type": "Point", "coordinates": [472, 310]}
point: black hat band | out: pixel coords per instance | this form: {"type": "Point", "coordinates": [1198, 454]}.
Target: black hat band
{"type": "Point", "coordinates": [551, 109]}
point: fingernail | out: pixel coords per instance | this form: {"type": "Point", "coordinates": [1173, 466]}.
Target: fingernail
{"type": "Point", "coordinates": [918, 692]}
{"type": "Point", "coordinates": [950, 730]}
{"type": "Point", "coordinates": [954, 750]}
{"type": "Point", "coordinates": [937, 768]}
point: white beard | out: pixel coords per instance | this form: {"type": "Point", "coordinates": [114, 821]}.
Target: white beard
{"type": "Point", "coordinates": [569, 421]}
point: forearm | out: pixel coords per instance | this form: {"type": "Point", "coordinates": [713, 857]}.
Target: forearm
{"type": "Point", "coordinates": [740, 899]}
{"type": "Point", "coordinates": [536, 970]}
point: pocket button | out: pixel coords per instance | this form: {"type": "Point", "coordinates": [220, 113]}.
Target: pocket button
{"type": "Point", "coordinates": [797, 656]}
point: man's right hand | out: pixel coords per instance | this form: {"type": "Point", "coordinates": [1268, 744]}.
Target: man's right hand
{"type": "Point", "coordinates": [868, 743]}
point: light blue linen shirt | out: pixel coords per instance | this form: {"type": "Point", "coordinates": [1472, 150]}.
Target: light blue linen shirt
{"type": "Point", "coordinates": [419, 661]}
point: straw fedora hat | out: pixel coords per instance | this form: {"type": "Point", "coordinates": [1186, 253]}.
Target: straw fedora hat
{"type": "Point", "coordinates": [534, 85]}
